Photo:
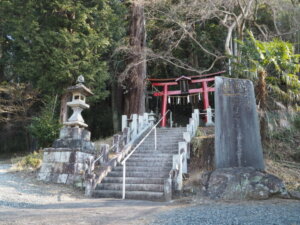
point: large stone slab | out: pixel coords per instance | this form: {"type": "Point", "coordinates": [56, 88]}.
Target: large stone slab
{"type": "Point", "coordinates": [237, 136]}
{"type": "Point", "coordinates": [242, 184]}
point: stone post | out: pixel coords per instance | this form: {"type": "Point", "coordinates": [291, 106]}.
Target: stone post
{"type": "Point", "coordinates": [209, 116]}
{"type": "Point", "coordinates": [124, 122]}
{"type": "Point", "coordinates": [134, 125]}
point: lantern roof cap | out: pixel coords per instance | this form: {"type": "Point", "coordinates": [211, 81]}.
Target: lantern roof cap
{"type": "Point", "coordinates": [183, 78]}
{"type": "Point", "coordinates": [80, 87]}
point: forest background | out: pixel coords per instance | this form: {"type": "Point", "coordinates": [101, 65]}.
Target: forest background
{"type": "Point", "coordinates": [116, 45]}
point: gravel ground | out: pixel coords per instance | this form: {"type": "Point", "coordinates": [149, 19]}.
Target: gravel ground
{"type": "Point", "coordinates": [24, 200]}
{"type": "Point", "coordinates": [19, 190]}
{"type": "Point", "coordinates": [272, 212]}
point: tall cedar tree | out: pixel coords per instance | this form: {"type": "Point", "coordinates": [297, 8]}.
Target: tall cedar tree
{"type": "Point", "coordinates": [135, 97]}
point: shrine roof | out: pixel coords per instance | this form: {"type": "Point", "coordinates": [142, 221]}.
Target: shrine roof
{"type": "Point", "coordinates": [183, 78]}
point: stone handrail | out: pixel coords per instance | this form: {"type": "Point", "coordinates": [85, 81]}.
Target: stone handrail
{"type": "Point", "coordinates": [132, 131]}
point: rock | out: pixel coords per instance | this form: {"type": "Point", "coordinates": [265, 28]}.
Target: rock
{"type": "Point", "coordinates": [295, 194]}
{"type": "Point", "coordinates": [242, 184]}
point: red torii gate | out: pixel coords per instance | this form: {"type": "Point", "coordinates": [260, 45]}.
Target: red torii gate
{"type": "Point", "coordinates": [175, 81]}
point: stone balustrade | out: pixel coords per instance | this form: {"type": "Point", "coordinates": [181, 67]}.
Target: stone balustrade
{"type": "Point", "coordinates": [133, 128]}
{"type": "Point", "coordinates": [180, 160]}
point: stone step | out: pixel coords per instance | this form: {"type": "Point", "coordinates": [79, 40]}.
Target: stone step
{"type": "Point", "coordinates": [171, 129]}
{"type": "Point", "coordinates": [163, 151]}
{"type": "Point", "coordinates": [140, 195]}
{"type": "Point", "coordinates": [131, 187]}
{"type": "Point", "coordinates": [153, 154]}
{"type": "Point", "coordinates": [151, 157]}
{"type": "Point", "coordinates": [160, 144]}
{"type": "Point", "coordinates": [139, 174]}
{"type": "Point", "coordinates": [165, 136]}
{"type": "Point", "coordinates": [134, 180]}
{"type": "Point", "coordinates": [146, 169]}
{"type": "Point", "coordinates": [148, 160]}
{"type": "Point", "coordinates": [149, 164]}
{"type": "Point", "coordinates": [159, 147]}
{"type": "Point", "coordinates": [143, 169]}
{"type": "Point", "coordinates": [170, 133]}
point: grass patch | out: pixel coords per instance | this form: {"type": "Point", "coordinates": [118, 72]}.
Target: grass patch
{"type": "Point", "coordinates": [31, 161]}
{"type": "Point", "coordinates": [288, 171]}
{"type": "Point", "coordinates": [297, 122]}
{"type": "Point", "coordinates": [202, 152]}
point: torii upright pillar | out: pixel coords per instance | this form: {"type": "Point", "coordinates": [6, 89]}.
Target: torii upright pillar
{"type": "Point", "coordinates": [164, 105]}
{"type": "Point", "coordinates": [205, 98]}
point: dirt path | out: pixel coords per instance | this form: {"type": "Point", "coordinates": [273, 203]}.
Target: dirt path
{"type": "Point", "coordinates": [23, 200]}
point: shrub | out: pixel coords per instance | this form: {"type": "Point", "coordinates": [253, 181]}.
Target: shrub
{"type": "Point", "coordinates": [31, 161]}
{"type": "Point", "coordinates": [297, 122]}
{"type": "Point", "coordinates": [45, 127]}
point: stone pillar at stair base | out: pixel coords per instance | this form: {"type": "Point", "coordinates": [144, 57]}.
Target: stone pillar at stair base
{"type": "Point", "coordinates": [168, 189]}
{"type": "Point", "coordinates": [182, 150]}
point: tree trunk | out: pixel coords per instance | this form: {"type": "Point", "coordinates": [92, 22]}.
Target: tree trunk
{"type": "Point", "coordinates": [63, 115]}
{"type": "Point", "coordinates": [116, 103]}
{"type": "Point", "coordinates": [261, 98]}
{"type": "Point", "coordinates": [135, 83]}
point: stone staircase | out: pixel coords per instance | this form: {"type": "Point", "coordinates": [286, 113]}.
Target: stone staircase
{"type": "Point", "coordinates": [146, 169]}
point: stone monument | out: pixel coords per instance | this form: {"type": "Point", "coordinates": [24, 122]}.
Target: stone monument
{"type": "Point", "coordinates": [237, 135]}
{"type": "Point", "coordinates": [64, 161]}
{"type": "Point", "coordinates": [239, 162]}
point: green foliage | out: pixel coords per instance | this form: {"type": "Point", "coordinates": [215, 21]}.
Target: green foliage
{"type": "Point", "coordinates": [50, 43]}
{"type": "Point", "coordinates": [277, 58]}
{"type": "Point", "coordinates": [297, 121]}
{"type": "Point", "coordinates": [47, 44]}
{"type": "Point", "coordinates": [284, 135]}
{"type": "Point", "coordinates": [45, 127]}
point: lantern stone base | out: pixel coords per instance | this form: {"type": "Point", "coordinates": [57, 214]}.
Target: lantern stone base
{"type": "Point", "coordinates": [75, 138]}
{"type": "Point", "coordinates": [63, 165]}
{"type": "Point", "coordinates": [65, 161]}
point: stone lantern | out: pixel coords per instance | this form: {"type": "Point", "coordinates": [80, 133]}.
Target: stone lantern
{"type": "Point", "coordinates": [73, 134]}
{"type": "Point", "coordinates": [79, 93]}
{"type": "Point", "coordinates": [64, 161]}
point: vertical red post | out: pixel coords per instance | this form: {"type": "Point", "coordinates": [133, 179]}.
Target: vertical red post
{"type": "Point", "coordinates": [164, 106]}
{"type": "Point", "coordinates": [205, 97]}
